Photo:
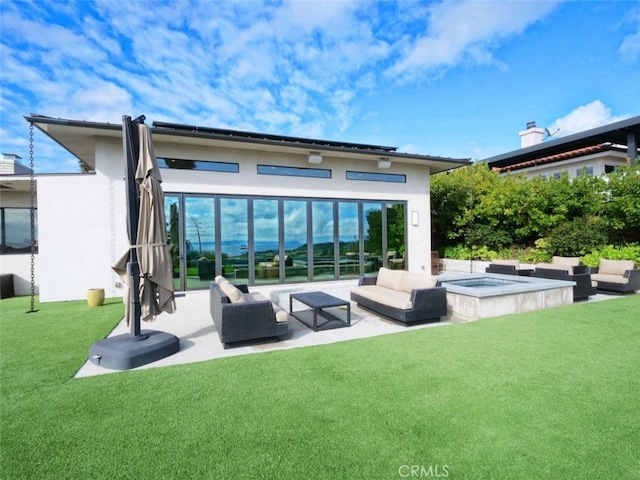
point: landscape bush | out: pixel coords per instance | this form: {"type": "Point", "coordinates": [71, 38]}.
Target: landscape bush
{"type": "Point", "coordinates": [477, 214]}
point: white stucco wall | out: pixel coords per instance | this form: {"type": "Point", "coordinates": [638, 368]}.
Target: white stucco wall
{"type": "Point", "coordinates": [77, 232]}
{"type": "Point", "coordinates": [82, 218]}
{"type": "Point", "coordinates": [20, 267]}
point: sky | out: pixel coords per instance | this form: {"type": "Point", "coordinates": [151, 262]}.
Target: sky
{"type": "Point", "coordinates": [456, 79]}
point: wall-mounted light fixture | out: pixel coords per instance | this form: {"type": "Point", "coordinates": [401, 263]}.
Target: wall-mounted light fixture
{"type": "Point", "coordinates": [414, 218]}
{"type": "Point", "coordinates": [384, 163]}
{"type": "Point", "coordinates": [315, 157]}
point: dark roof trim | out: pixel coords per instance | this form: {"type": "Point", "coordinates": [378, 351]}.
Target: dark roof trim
{"type": "Point", "coordinates": [615, 133]}
{"type": "Point", "coordinates": [266, 136]}
{"type": "Point", "coordinates": [78, 146]}
{"type": "Point", "coordinates": [35, 118]}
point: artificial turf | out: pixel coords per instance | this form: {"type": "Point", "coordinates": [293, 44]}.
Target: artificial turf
{"type": "Point", "coordinates": [548, 394]}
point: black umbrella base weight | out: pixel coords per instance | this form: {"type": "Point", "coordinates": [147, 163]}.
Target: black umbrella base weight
{"type": "Point", "coordinates": [124, 352]}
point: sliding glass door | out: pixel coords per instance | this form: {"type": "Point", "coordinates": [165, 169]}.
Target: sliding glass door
{"type": "Point", "coordinates": [275, 240]}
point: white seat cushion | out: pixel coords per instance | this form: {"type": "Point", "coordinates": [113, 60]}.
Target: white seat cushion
{"type": "Point", "coordinates": [385, 296]}
{"type": "Point", "coordinates": [615, 267]}
{"type": "Point", "coordinates": [409, 281]}
{"type": "Point", "coordinates": [389, 278]}
{"type": "Point", "coordinates": [606, 277]}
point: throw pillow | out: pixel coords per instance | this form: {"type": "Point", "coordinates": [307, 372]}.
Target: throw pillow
{"type": "Point", "coordinates": [235, 295]}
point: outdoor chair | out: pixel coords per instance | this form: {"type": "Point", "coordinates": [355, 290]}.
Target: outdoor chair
{"type": "Point", "coordinates": [616, 276]}
{"type": "Point", "coordinates": [240, 316]}
{"type": "Point", "coordinates": [507, 267]}
{"type": "Point", "coordinates": [583, 288]}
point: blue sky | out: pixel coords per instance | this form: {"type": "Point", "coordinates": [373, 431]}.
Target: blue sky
{"type": "Point", "coordinates": [455, 78]}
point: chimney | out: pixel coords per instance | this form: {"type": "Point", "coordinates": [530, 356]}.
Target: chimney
{"type": "Point", "coordinates": [10, 165]}
{"type": "Point", "coordinates": [531, 136]}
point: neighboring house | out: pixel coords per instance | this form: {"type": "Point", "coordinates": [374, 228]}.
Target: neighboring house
{"type": "Point", "coordinates": [15, 222]}
{"type": "Point", "coordinates": [595, 152]}
{"type": "Point", "coordinates": [258, 208]}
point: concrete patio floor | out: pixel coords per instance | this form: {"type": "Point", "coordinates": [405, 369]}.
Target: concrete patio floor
{"type": "Point", "coordinates": [199, 340]}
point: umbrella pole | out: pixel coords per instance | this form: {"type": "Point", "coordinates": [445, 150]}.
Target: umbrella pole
{"type": "Point", "coordinates": [131, 151]}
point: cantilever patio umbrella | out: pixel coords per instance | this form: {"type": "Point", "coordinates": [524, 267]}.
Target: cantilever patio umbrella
{"type": "Point", "coordinates": [156, 272]}
{"type": "Point", "coordinates": [146, 268]}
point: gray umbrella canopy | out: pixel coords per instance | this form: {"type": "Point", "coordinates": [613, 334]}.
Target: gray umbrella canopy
{"type": "Point", "coordinates": [156, 273]}
{"type": "Point", "coordinates": [152, 252]}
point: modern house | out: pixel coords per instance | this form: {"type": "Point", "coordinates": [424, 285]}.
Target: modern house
{"type": "Point", "coordinates": [595, 152]}
{"type": "Point", "coordinates": [257, 208]}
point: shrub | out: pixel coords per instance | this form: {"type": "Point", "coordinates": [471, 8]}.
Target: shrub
{"type": "Point", "coordinates": [577, 237]}
{"type": "Point", "coordinates": [462, 252]}
{"type": "Point", "coordinates": [610, 252]}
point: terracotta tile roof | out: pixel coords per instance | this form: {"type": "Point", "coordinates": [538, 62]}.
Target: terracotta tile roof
{"type": "Point", "coordinates": [580, 152]}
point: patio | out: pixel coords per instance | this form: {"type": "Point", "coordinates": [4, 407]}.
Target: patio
{"type": "Point", "coordinates": [199, 340]}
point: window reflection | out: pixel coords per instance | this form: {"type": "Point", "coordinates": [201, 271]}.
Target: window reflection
{"type": "Point", "coordinates": [234, 239]}
{"type": "Point", "coordinates": [395, 236]}
{"type": "Point", "coordinates": [323, 241]}
{"type": "Point", "coordinates": [264, 240]}
{"type": "Point", "coordinates": [172, 215]}
{"type": "Point", "coordinates": [295, 240]}
{"type": "Point", "coordinates": [265, 225]}
{"type": "Point", "coordinates": [349, 239]}
{"type": "Point", "coordinates": [372, 221]}
{"type": "Point", "coordinates": [199, 219]}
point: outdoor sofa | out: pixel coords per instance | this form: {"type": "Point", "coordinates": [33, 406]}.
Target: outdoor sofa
{"type": "Point", "coordinates": [240, 316]}
{"type": "Point", "coordinates": [616, 276]}
{"type": "Point", "coordinates": [569, 269]}
{"type": "Point", "coordinates": [405, 297]}
{"type": "Point", "coordinates": [507, 267]}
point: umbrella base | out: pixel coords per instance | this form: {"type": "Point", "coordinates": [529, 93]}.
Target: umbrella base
{"type": "Point", "coordinates": [124, 352]}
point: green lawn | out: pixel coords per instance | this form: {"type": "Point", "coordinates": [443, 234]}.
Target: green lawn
{"type": "Point", "coordinates": [551, 394]}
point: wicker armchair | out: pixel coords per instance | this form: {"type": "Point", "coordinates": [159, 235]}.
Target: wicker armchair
{"type": "Point", "coordinates": [508, 267]}
{"type": "Point", "coordinates": [253, 318]}
{"type": "Point", "coordinates": [616, 276]}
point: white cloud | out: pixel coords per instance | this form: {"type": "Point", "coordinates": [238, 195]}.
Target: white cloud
{"type": "Point", "coordinates": [630, 47]}
{"type": "Point", "coordinates": [466, 31]}
{"type": "Point", "coordinates": [585, 117]}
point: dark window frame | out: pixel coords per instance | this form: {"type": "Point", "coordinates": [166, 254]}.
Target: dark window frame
{"type": "Point", "coordinates": [376, 177]}
{"type": "Point", "coordinates": [198, 165]}
{"type": "Point", "coordinates": [3, 233]}
{"type": "Point", "coordinates": [279, 170]}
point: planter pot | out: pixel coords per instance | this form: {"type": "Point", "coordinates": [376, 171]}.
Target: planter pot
{"type": "Point", "coordinates": [95, 297]}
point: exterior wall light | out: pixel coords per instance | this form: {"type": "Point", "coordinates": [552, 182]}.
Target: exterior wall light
{"type": "Point", "coordinates": [384, 163]}
{"type": "Point", "coordinates": [315, 157]}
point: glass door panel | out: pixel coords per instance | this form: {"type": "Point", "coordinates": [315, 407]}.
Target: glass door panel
{"type": "Point", "coordinates": [172, 215]}
{"type": "Point", "coordinates": [395, 236]}
{"type": "Point", "coordinates": [349, 239]}
{"type": "Point", "coordinates": [295, 240]}
{"type": "Point", "coordinates": [199, 220]}
{"type": "Point", "coordinates": [265, 227]}
{"type": "Point", "coordinates": [372, 223]}
{"type": "Point", "coordinates": [323, 241]}
{"type": "Point", "coordinates": [234, 239]}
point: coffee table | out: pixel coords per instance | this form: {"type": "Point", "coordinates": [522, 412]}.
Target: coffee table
{"type": "Point", "coordinates": [319, 301]}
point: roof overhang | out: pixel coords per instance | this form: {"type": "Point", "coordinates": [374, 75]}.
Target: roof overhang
{"type": "Point", "coordinates": [625, 132]}
{"type": "Point", "coordinates": [79, 138]}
